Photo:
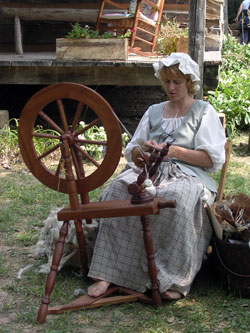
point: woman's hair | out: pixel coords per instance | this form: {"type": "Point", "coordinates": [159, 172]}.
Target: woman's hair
{"type": "Point", "coordinates": [174, 73]}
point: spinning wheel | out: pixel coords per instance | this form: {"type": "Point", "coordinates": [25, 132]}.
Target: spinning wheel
{"type": "Point", "coordinates": [50, 108]}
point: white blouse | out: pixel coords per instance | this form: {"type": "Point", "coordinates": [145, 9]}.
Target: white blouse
{"type": "Point", "coordinates": [209, 137]}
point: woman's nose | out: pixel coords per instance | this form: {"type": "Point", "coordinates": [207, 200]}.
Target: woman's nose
{"type": "Point", "coordinates": [171, 85]}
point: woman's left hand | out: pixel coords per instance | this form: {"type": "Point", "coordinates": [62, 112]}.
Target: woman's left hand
{"type": "Point", "coordinates": [198, 158]}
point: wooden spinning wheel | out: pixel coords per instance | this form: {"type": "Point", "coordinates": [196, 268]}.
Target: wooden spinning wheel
{"type": "Point", "coordinates": [87, 101]}
{"type": "Point", "coordinates": [50, 108]}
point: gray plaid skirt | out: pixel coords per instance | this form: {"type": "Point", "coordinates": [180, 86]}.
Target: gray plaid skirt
{"type": "Point", "coordinates": [180, 235]}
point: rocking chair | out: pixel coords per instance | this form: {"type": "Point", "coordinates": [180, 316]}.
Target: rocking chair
{"type": "Point", "coordinates": [141, 17]}
{"type": "Point", "coordinates": [67, 143]}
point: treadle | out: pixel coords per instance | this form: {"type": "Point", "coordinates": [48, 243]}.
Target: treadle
{"type": "Point", "coordinates": [87, 302]}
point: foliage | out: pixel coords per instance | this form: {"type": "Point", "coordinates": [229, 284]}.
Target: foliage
{"type": "Point", "coordinates": [96, 133]}
{"type": "Point", "coordinates": [234, 55]}
{"type": "Point", "coordinates": [9, 142]}
{"type": "Point", "coordinates": [169, 33]}
{"type": "Point", "coordinates": [232, 96]}
{"type": "Point", "coordinates": [85, 32]}
{"type": "Point", "coordinates": [9, 151]}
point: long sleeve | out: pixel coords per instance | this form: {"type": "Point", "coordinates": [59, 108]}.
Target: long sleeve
{"type": "Point", "coordinates": [139, 137]}
{"type": "Point", "coordinates": [211, 138]}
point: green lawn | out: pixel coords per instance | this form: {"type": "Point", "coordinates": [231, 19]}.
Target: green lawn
{"type": "Point", "coordinates": [25, 203]}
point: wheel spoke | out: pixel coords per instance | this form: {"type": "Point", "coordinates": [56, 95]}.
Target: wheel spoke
{"type": "Point", "coordinates": [76, 164]}
{"type": "Point", "coordinates": [51, 150]}
{"type": "Point", "coordinates": [46, 136]}
{"type": "Point", "coordinates": [62, 114]}
{"type": "Point", "coordinates": [77, 116]}
{"type": "Point", "coordinates": [58, 169]}
{"type": "Point", "coordinates": [91, 159]}
{"type": "Point", "coordinates": [94, 142]}
{"type": "Point", "coordinates": [50, 122]}
{"type": "Point", "coordinates": [85, 128]}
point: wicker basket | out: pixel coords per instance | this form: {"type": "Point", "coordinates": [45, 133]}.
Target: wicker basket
{"type": "Point", "coordinates": [233, 265]}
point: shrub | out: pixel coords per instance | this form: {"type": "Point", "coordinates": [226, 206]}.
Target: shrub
{"type": "Point", "coordinates": [169, 33]}
{"type": "Point", "coordinates": [232, 95]}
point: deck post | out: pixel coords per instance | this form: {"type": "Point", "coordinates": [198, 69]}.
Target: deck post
{"type": "Point", "coordinates": [18, 36]}
{"type": "Point", "coordinates": [4, 118]}
{"type": "Point", "coordinates": [196, 47]}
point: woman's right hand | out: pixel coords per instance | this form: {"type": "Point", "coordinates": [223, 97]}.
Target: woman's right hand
{"type": "Point", "coordinates": [138, 156]}
{"type": "Point", "coordinates": [150, 145]}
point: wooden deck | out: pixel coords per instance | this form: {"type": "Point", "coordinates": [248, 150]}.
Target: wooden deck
{"type": "Point", "coordinates": [44, 68]}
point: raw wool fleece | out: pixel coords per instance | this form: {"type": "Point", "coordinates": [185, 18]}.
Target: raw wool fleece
{"type": "Point", "coordinates": [49, 236]}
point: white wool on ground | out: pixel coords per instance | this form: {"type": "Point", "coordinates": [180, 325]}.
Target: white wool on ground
{"type": "Point", "coordinates": [49, 236]}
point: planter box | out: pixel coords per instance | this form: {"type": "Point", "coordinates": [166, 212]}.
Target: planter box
{"type": "Point", "coordinates": [99, 49]}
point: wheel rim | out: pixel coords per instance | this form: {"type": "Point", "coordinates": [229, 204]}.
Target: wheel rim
{"type": "Point", "coordinates": [70, 133]}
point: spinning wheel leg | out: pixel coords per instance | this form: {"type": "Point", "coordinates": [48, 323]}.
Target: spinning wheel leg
{"type": "Point", "coordinates": [148, 244]}
{"type": "Point", "coordinates": [51, 279]}
{"type": "Point", "coordinates": [81, 244]}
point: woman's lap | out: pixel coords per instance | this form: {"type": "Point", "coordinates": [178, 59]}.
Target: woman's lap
{"type": "Point", "coordinates": [180, 238]}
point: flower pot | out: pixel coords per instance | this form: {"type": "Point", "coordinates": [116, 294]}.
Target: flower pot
{"type": "Point", "coordinates": [96, 49]}
{"type": "Point", "coordinates": [182, 44]}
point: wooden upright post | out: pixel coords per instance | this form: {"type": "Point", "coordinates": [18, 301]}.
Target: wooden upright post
{"type": "Point", "coordinates": [225, 19]}
{"type": "Point", "coordinates": [18, 36]}
{"type": "Point", "coordinates": [196, 47]}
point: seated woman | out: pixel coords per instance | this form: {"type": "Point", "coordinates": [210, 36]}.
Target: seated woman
{"type": "Point", "coordinates": [181, 235]}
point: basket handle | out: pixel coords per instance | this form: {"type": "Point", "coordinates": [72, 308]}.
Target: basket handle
{"type": "Point", "coordinates": [225, 267]}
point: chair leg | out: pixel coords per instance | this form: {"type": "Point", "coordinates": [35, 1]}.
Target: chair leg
{"type": "Point", "coordinates": [82, 248]}
{"type": "Point", "coordinates": [148, 243]}
{"type": "Point", "coordinates": [51, 279]}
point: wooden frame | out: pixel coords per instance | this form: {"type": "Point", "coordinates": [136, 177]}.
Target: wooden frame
{"type": "Point", "coordinates": [149, 32]}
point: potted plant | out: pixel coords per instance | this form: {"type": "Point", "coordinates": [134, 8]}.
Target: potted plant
{"type": "Point", "coordinates": [172, 38]}
{"type": "Point", "coordinates": [83, 43]}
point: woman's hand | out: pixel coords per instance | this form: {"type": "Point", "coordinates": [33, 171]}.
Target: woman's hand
{"type": "Point", "coordinates": [150, 145]}
{"type": "Point", "coordinates": [138, 156]}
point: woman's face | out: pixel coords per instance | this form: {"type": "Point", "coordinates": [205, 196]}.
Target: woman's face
{"type": "Point", "coordinates": [176, 88]}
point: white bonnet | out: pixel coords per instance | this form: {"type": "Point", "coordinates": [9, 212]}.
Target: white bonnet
{"type": "Point", "coordinates": [186, 66]}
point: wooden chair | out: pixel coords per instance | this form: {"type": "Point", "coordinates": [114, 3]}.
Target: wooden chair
{"type": "Point", "coordinates": [52, 107]}
{"type": "Point", "coordinates": [222, 181]}
{"type": "Point", "coordinates": [143, 20]}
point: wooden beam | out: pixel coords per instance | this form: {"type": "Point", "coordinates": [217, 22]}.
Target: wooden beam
{"type": "Point", "coordinates": [197, 23]}
{"type": "Point", "coordinates": [52, 14]}
{"type": "Point", "coordinates": [89, 74]}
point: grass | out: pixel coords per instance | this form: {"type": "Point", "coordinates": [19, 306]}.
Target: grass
{"type": "Point", "coordinates": [25, 203]}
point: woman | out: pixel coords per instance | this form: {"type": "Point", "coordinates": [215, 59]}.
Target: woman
{"type": "Point", "coordinates": [181, 235]}
{"type": "Point", "coordinates": [243, 22]}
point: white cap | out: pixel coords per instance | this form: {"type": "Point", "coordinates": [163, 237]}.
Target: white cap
{"type": "Point", "coordinates": [186, 65]}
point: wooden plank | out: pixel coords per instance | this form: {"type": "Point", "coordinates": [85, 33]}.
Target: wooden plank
{"type": "Point", "coordinates": [93, 74]}
{"type": "Point", "coordinates": [78, 49]}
